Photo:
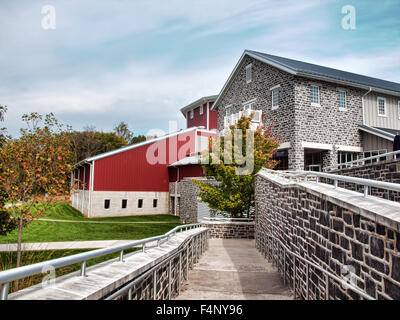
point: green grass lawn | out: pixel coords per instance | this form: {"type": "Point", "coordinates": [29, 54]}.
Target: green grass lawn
{"type": "Point", "coordinates": [48, 231]}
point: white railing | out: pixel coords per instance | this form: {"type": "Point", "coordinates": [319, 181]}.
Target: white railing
{"type": "Point", "coordinates": [366, 183]}
{"type": "Point", "coordinates": [362, 161]}
{"type": "Point", "coordinates": [234, 118]}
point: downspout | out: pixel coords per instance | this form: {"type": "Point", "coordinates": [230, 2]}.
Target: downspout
{"type": "Point", "coordinates": [362, 103]}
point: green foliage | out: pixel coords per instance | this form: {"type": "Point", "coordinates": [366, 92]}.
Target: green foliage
{"type": "Point", "coordinates": [234, 193]}
{"type": "Point", "coordinates": [137, 139]}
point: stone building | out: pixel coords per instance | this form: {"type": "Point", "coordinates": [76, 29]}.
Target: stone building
{"type": "Point", "coordinates": [321, 116]}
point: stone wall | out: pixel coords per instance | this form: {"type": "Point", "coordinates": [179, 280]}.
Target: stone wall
{"type": "Point", "coordinates": [387, 171]}
{"type": "Point", "coordinates": [230, 230]}
{"type": "Point", "coordinates": [296, 120]}
{"type": "Point", "coordinates": [338, 230]}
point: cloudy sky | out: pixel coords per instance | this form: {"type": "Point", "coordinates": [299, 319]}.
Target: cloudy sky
{"type": "Point", "coordinates": [140, 61]}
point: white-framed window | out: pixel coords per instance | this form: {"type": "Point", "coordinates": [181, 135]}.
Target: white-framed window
{"type": "Point", "coordinates": [228, 111]}
{"type": "Point", "coordinates": [248, 73]}
{"type": "Point", "coordinates": [381, 106]}
{"type": "Point", "coordinates": [249, 105]}
{"type": "Point", "coordinates": [398, 109]}
{"type": "Point", "coordinates": [201, 109]}
{"type": "Point", "coordinates": [191, 114]}
{"type": "Point", "coordinates": [314, 94]}
{"type": "Point", "coordinates": [275, 98]}
{"type": "Point", "coordinates": [342, 99]}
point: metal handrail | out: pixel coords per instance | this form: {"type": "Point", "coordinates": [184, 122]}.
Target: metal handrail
{"type": "Point", "coordinates": [328, 273]}
{"type": "Point", "coordinates": [345, 164]}
{"type": "Point", "coordinates": [360, 181]}
{"type": "Point", "coordinates": [228, 219]}
{"type": "Point", "coordinates": [129, 286]}
{"type": "Point", "coordinates": [10, 275]}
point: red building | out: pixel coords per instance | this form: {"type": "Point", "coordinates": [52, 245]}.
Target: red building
{"type": "Point", "coordinates": [136, 179]}
{"type": "Point", "coordinates": [199, 113]}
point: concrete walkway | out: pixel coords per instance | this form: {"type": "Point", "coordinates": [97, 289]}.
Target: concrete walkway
{"type": "Point", "coordinates": [233, 269]}
{"type": "Point", "coordinates": [63, 245]}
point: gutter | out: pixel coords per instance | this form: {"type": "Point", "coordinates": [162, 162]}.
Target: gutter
{"type": "Point", "coordinates": [362, 103]}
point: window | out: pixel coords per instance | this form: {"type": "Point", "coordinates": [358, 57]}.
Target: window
{"type": "Point", "coordinates": [275, 98]}
{"type": "Point", "coordinates": [140, 203]}
{"type": "Point", "coordinates": [124, 203]}
{"type": "Point", "coordinates": [344, 156]}
{"type": "Point", "coordinates": [154, 203]}
{"type": "Point", "coordinates": [107, 204]}
{"type": "Point", "coordinates": [191, 114]}
{"type": "Point", "coordinates": [248, 73]}
{"type": "Point", "coordinates": [314, 94]}
{"type": "Point", "coordinates": [201, 109]}
{"type": "Point", "coordinates": [228, 111]}
{"type": "Point", "coordinates": [249, 105]}
{"type": "Point", "coordinates": [381, 107]}
{"type": "Point", "coordinates": [342, 99]}
{"type": "Point", "coordinates": [398, 109]}
{"type": "Point", "coordinates": [373, 153]}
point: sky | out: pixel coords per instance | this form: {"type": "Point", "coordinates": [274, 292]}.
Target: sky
{"type": "Point", "coordinates": [141, 61]}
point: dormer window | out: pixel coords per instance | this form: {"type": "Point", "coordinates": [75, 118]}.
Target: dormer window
{"type": "Point", "coordinates": [191, 114]}
{"type": "Point", "coordinates": [248, 73]}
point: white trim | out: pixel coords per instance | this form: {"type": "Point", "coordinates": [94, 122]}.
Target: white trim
{"type": "Point", "coordinates": [275, 87]}
{"type": "Point", "coordinates": [377, 104]}
{"type": "Point", "coordinates": [398, 109]}
{"type": "Point", "coordinates": [315, 145]}
{"type": "Point", "coordinates": [349, 148]}
{"type": "Point", "coordinates": [201, 109]}
{"type": "Point", "coordinates": [137, 145]}
{"type": "Point", "coordinates": [250, 101]}
{"type": "Point", "coordinates": [197, 103]}
{"type": "Point", "coordinates": [345, 100]}
{"type": "Point", "coordinates": [208, 116]}
{"type": "Point", "coordinates": [91, 188]}
{"type": "Point", "coordinates": [313, 104]}
{"type": "Point", "coordinates": [376, 132]}
{"type": "Point", "coordinates": [272, 97]}
{"type": "Point", "coordinates": [191, 114]}
{"type": "Point", "coordinates": [342, 109]}
{"type": "Point", "coordinates": [284, 145]}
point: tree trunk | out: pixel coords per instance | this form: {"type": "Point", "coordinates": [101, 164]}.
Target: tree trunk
{"type": "Point", "coordinates": [19, 245]}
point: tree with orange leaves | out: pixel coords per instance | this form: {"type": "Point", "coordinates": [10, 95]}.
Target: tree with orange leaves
{"type": "Point", "coordinates": [35, 169]}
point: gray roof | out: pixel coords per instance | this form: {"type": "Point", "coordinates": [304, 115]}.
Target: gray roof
{"type": "Point", "coordinates": [335, 74]}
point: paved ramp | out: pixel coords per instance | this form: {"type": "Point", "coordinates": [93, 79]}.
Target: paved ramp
{"type": "Point", "coordinates": [233, 269]}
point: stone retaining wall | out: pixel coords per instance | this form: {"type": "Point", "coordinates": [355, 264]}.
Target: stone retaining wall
{"type": "Point", "coordinates": [338, 230]}
{"type": "Point", "coordinates": [230, 230]}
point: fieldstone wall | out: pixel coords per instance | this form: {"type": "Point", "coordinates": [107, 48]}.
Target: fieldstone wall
{"type": "Point", "coordinates": [230, 230]}
{"type": "Point", "coordinates": [188, 205]}
{"type": "Point", "coordinates": [387, 171]}
{"type": "Point", "coordinates": [295, 120]}
{"type": "Point", "coordinates": [339, 236]}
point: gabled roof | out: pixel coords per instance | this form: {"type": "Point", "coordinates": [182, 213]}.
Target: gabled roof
{"type": "Point", "coordinates": [197, 103]}
{"type": "Point", "coordinates": [140, 144]}
{"type": "Point", "coordinates": [309, 70]}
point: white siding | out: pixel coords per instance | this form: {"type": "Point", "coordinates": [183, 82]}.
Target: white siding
{"type": "Point", "coordinates": [390, 121]}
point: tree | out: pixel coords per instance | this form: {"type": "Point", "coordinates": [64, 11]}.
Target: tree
{"type": "Point", "coordinates": [138, 138]}
{"type": "Point", "coordinates": [7, 223]}
{"type": "Point", "coordinates": [234, 172]}
{"type": "Point", "coordinates": [123, 131]}
{"type": "Point", "coordinates": [35, 169]}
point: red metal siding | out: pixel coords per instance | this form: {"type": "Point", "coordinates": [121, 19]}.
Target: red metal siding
{"type": "Point", "coordinates": [131, 171]}
{"type": "Point", "coordinates": [198, 119]}
{"type": "Point", "coordinates": [213, 123]}
{"type": "Point", "coordinates": [189, 171]}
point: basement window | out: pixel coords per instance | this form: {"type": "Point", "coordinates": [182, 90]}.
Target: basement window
{"type": "Point", "coordinates": [154, 203]}
{"type": "Point", "coordinates": [107, 204]}
{"type": "Point", "coordinates": [140, 203]}
{"type": "Point", "coordinates": [124, 203]}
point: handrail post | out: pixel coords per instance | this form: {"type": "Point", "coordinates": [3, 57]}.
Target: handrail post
{"type": "Point", "coordinates": [365, 191]}
{"type": "Point", "coordinates": [144, 247]}
{"type": "Point", "coordinates": [294, 277]}
{"type": "Point", "coordinates": [169, 279]}
{"type": "Point", "coordinates": [335, 183]}
{"type": "Point", "coordinates": [327, 287]}
{"type": "Point", "coordinates": [4, 291]}
{"type": "Point", "coordinates": [187, 262]}
{"type": "Point", "coordinates": [121, 256]}
{"type": "Point", "coordinates": [180, 273]}
{"type": "Point", "coordinates": [130, 294]}
{"type": "Point", "coordinates": [307, 282]}
{"type": "Point", "coordinates": [155, 284]}
{"type": "Point", "coordinates": [83, 269]}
